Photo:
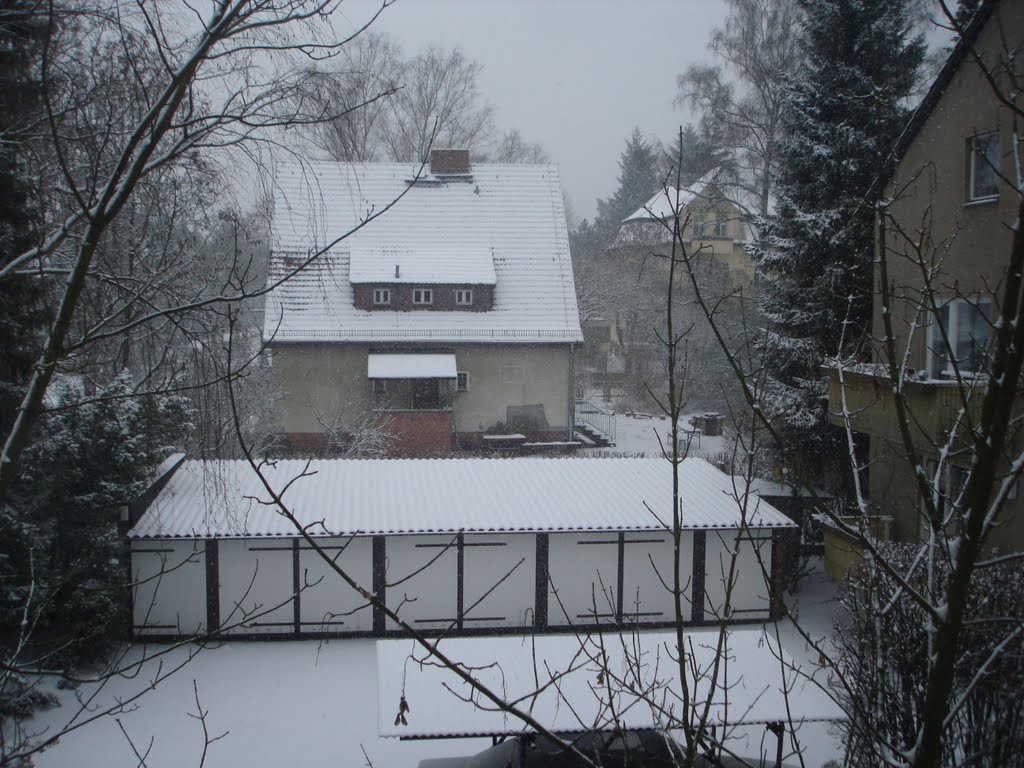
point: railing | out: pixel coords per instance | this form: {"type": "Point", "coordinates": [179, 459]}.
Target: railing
{"type": "Point", "coordinates": [595, 417]}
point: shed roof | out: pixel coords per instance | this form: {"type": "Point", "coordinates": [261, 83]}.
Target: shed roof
{"type": "Point", "coordinates": [505, 226]}
{"type": "Point", "coordinates": [757, 682]}
{"type": "Point", "coordinates": [226, 499]}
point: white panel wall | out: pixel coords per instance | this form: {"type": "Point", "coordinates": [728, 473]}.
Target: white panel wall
{"type": "Point", "coordinates": [256, 586]}
{"type": "Point", "coordinates": [648, 578]}
{"type": "Point", "coordinates": [327, 603]}
{"type": "Point", "coordinates": [750, 589]}
{"type": "Point", "coordinates": [169, 587]}
{"type": "Point", "coordinates": [499, 580]}
{"type": "Point", "coordinates": [583, 574]}
{"type": "Point", "coordinates": [422, 580]}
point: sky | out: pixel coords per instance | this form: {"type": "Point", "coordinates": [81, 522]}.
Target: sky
{"type": "Point", "coordinates": [574, 75]}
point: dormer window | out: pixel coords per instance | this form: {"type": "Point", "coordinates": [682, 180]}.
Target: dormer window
{"type": "Point", "coordinates": [423, 296]}
{"type": "Point", "coordinates": [464, 297]}
{"type": "Point", "coordinates": [381, 296]}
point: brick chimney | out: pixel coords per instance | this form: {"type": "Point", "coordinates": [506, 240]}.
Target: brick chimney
{"type": "Point", "coordinates": [449, 161]}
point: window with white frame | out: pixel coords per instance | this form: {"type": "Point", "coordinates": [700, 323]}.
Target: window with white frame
{"type": "Point", "coordinates": [462, 381]}
{"type": "Point", "coordinates": [721, 227]}
{"type": "Point", "coordinates": [423, 296]}
{"type": "Point", "coordinates": [983, 166]}
{"type": "Point", "coordinates": [960, 333]}
{"type": "Point", "coordinates": [464, 297]}
{"type": "Point", "coordinates": [381, 295]}
{"type": "Point", "coordinates": [699, 224]}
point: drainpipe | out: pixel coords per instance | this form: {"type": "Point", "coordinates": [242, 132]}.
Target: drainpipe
{"type": "Point", "coordinates": [572, 393]}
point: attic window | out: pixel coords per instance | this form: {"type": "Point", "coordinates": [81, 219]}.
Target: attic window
{"type": "Point", "coordinates": [423, 296]}
{"type": "Point", "coordinates": [464, 297]}
{"type": "Point", "coordinates": [983, 166]}
{"type": "Point", "coordinates": [381, 295]}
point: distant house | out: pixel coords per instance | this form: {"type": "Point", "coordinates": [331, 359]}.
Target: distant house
{"type": "Point", "coordinates": [454, 546]}
{"type": "Point", "coordinates": [713, 226]}
{"type": "Point", "coordinates": [954, 191]}
{"type": "Point", "coordinates": [450, 316]}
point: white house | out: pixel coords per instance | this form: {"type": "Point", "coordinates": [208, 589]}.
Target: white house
{"type": "Point", "coordinates": [460, 546]}
{"type": "Point", "coordinates": [449, 314]}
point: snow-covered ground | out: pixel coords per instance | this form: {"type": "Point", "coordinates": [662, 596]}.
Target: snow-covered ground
{"type": "Point", "coordinates": [649, 435]}
{"type": "Point", "coordinates": [310, 704]}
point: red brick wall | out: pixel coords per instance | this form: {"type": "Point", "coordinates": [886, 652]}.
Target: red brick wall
{"type": "Point", "coordinates": [419, 433]}
{"type": "Point", "coordinates": [304, 443]}
{"type": "Point", "coordinates": [444, 298]}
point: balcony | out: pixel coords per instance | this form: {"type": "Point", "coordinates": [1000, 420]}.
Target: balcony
{"type": "Point", "coordinates": [933, 405]}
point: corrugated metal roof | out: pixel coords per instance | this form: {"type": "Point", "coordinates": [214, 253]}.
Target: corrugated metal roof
{"type": "Point", "coordinates": [511, 214]}
{"type": "Point", "coordinates": [756, 681]}
{"type": "Point", "coordinates": [396, 496]}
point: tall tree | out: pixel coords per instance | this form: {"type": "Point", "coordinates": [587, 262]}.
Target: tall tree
{"type": "Point", "coordinates": [740, 101]}
{"type": "Point", "coordinates": [22, 32]}
{"type": "Point", "coordinates": [843, 110]}
{"type": "Point", "coordinates": [638, 181]}
{"type": "Point", "coordinates": [693, 153]}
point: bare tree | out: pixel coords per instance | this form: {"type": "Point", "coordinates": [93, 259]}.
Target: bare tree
{"type": "Point", "coordinates": [438, 104]}
{"type": "Point", "coordinates": [740, 103]}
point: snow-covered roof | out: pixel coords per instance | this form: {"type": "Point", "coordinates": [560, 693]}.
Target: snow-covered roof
{"type": "Point", "coordinates": [222, 499]}
{"type": "Point", "coordinates": [757, 682]}
{"type": "Point", "coordinates": [664, 204]}
{"type": "Point", "coordinates": [504, 226]}
{"type": "Point", "coordinates": [414, 266]}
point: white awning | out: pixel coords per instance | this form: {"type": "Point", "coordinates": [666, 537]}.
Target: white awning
{"type": "Point", "coordinates": [411, 366]}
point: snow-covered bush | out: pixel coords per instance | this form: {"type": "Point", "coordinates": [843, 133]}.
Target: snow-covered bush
{"type": "Point", "coordinates": [883, 642]}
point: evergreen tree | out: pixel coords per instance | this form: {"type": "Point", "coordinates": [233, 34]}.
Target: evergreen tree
{"type": "Point", "coordinates": [638, 181]}
{"type": "Point", "coordinates": [22, 33]}
{"type": "Point", "coordinates": [700, 153]}
{"type": "Point", "coordinates": [844, 109]}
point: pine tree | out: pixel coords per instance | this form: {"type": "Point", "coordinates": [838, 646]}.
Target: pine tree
{"type": "Point", "coordinates": [22, 32]}
{"type": "Point", "coordinates": [700, 153]}
{"type": "Point", "coordinates": [844, 109]}
{"type": "Point", "coordinates": [638, 181]}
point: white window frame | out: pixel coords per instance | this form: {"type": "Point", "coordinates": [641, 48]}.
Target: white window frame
{"type": "Point", "coordinates": [422, 295]}
{"type": "Point", "coordinates": [462, 381]}
{"type": "Point", "coordinates": [464, 297]}
{"type": "Point", "coordinates": [981, 159]}
{"type": "Point", "coordinates": [700, 222]}
{"type": "Point", "coordinates": [721, 227]}
{"type": "Point", "coordinates": [937, 352]}
{"type": "Point", "coordinates": [381, 296]}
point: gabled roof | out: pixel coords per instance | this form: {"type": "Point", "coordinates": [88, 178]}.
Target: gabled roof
{"type": "Point", "coordinates": [957, 56]}
{"type": "Point", "coordinates": [504, 226]}
{"type": "Point", "coordinates": [666, 200]}
{"type": "Point", "coordinates": [340, 497]}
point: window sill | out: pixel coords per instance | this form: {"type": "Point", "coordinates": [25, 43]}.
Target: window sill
{"type": "Point", "coordinates": [981, 201]}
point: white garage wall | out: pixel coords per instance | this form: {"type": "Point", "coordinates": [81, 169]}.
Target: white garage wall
{"type": "Point", "coordinates": [169, 587]}
{"type": "Point", "coordinates": [750, 593]}
{"type": "Point", "coordinates": [648, 579]}
{"type": "Point", "coordinates": [582, 574]}
{"type": "Point", "coordinates": [422, 592]}
{"type": "Point", "coordinates": [256, 586]}
{"type": "Point", "coordinates": [504, 569]}
{"type": "Point", "coordinates": [326, 602]}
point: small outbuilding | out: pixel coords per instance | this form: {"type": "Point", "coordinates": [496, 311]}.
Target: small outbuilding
{"type": "Point", "coordinates": [454, 546]}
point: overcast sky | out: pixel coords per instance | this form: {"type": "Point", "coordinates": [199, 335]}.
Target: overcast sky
{"type": "Point", "coordinates": [574, 75]}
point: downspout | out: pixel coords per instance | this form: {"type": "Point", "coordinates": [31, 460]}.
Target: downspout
{"type": "Point", "coordinates": [571, 427]}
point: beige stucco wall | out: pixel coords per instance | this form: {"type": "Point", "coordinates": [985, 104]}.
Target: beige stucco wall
{"type": "Point", "coordinates": [331, 380]}
{"type": "Point", "coordinates": [971, 239]}
{"type": "Point", "coordinates": [969, 242]}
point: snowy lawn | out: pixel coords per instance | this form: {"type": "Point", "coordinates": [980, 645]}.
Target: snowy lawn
{"type": "Point", "coordinates": [311, 704]}
{"type": "Point", "coordinates": [650, 435]}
